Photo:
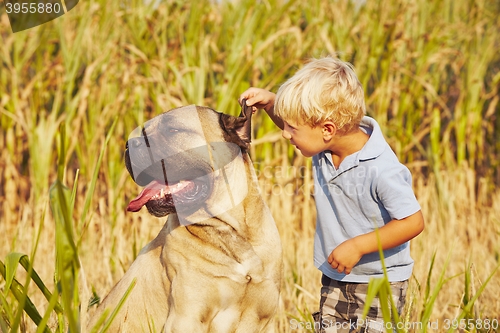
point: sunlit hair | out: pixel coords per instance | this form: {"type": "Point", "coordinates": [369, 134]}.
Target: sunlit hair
{"type": "Point", "coordinates": [324, 89]}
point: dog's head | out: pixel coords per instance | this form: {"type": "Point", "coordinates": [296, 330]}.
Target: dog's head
{"type": "Point", "coordinates": [180, 157]}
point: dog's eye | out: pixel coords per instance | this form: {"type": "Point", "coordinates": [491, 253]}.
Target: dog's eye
{"type": "Point", "coordinates": [173, 130]}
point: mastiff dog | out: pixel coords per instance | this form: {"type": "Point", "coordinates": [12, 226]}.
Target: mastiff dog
{"type": "Point", "coordinates": [216, 264]}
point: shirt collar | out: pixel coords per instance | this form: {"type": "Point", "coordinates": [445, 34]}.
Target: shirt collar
{"type": "Point", "coordinates": [376, 144]}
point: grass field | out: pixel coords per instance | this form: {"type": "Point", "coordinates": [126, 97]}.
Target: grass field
{"type": "Point", "coordinates": [73, 89]}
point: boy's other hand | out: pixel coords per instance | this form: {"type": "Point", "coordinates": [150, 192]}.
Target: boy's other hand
{"type": "Point", "coordinates": [258, 98]}
{"type": "Point", "coordinates": [345, 256]}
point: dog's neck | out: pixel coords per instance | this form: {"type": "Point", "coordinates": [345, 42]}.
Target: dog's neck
{"type": "Point", "coordinates": [243, 217]}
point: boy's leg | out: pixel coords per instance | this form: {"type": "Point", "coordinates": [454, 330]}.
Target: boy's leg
{"type": "Point", "coordinates": [342, 304]}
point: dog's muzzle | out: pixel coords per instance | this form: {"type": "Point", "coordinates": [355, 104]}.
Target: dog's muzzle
{"type": "Point", "coordinates": [180, 182]}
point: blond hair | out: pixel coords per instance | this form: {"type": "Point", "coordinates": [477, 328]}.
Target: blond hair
{"type": "Point", "coordinates": [324, 89]}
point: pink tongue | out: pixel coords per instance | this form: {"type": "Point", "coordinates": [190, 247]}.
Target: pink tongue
{"type": "Point", "coordinates": [149, 191]}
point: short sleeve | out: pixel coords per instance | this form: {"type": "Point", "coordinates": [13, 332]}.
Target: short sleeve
{"type": "Point", "coordinates": [394, 191]}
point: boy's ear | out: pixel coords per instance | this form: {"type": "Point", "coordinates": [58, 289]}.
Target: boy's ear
{"type": "Point", "coordinates": [329, 130]}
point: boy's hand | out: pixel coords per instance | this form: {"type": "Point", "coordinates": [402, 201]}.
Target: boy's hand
{"type": "Point", "coordinates": [258, 98]}
{"type": "Point", "coordinates": [345, 256]}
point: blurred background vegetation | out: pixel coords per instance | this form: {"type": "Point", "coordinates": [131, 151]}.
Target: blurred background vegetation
{"type": "Point", "coordinates": [73, 89]}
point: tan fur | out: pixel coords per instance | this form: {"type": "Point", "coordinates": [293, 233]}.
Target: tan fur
{"type": "Point", "coordinates": [220, 275]}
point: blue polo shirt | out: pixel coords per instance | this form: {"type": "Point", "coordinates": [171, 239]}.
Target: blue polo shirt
{"type": "Point", "coordinates": [369, 189]}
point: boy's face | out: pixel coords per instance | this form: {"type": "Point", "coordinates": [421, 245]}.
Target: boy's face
{"type": "Point", "coordinates": [309, 140]}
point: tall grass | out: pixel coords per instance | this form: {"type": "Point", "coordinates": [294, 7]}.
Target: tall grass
{"type": "Point", "coordinates": [73, 89]}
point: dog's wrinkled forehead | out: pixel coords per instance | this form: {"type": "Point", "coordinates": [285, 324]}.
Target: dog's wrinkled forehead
{"type": "Point", "coordinates": [173, 125]}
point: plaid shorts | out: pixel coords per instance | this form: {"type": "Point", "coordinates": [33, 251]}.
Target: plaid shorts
{"type": "Point", "coordinates": [342, 304]}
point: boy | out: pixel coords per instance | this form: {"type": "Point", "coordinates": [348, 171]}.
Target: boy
{"type": "Point", "coordinates": [363, 194]}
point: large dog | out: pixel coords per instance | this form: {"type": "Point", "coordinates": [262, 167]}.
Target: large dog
{"type": "Point", "coordinates": [216, 264]}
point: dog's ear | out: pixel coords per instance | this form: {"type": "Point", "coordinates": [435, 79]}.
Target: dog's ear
{"type": "Point", "coordinates": [238, 129]}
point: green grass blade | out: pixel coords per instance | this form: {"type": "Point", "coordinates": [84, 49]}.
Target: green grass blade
{"type": "Point", "coordinates": [5, 312]}
{"type": "Point", "coordinates": [67, 263]}
{"type": "Point", "coordinates": [431, 298]}
{"type": "Point", "coordinates": [19, 293]}
{"type": "Point", "coordinates": [11, 264]}
{"type": "Point", "coordinates": [24, 261]}
{"type": "Point", "coordinates": [467, 309]}
{"type": "Point", "coordinates": [381, 288]}
{"type": "Point", "coordinates": [374, 288]}
{"type": "Point", "coordinates": [99, 323]}
{"type": "Point", "coordinates": [67, 260]}
{"type": "Point", "coordinates": [429, 274]}
{"type": "Point", "coordinates": [118, 306]}
{"type": "Point", "coordinates": [93, 181]}
{"type": "Point", "coordinates": [13, 261]}
{"type": "Point", "coordinates": [53, 304]}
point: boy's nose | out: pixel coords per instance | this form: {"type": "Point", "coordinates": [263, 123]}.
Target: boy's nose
{"type": "Point", "coordinates": [286, 135]}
